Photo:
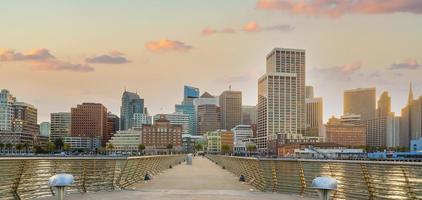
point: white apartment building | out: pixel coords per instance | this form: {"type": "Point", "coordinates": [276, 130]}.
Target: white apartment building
{"type": "Point", "coordinates": [6, 110]}
{"type": "Point", "coordinates": [126, 141]}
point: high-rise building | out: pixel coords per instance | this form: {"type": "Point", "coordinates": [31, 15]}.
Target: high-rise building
{"type": "Point", "coordinates": [45, 129]}
{"type": "Point", "coordinates": [90, 120]}
{"type": "Point", "coordinates": [131, 104]}
{"type": "Point", "coordinates": [411, 120]}
{"type": "Point", "coordinates": [60, 125]}
{"type": "Point", "coordinates": [361, 102]}
{"type": "Point", "coordinates": [231, 109]}
{"type": "Point", "coordinates": [314, 116]}
{"type": "Point", "coordinates": [161, 134]}
{"type": "Point", "coordinates": [384, 105]}
{"type": "Point", "coordinates": [140, 119]}
{"type": "Point", "coordinates": [309, 92]}
{"type": "Point", "coordinates": [113, 123]}
{"type": "Point", "coordinates": [176, 119]}
{"type": "Point", "coordinates": [25, 118]}
{"type": "Point", "coordinates": [209, 118]}
{"type": "Point", "coordinates": [281, 96]}
{"type": "Point", "coordinates": [249, 115]}
{"type": "Point", "coordinates": [344, 133]}
{"type": "Point", "coordinates": [187, 107]}
{"type": "Point", "coordinates": [6, 110]}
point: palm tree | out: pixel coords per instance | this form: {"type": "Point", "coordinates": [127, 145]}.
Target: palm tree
{"type": "Point", "coordinates": [19, 147]}
{"type": "Point", "coordinates": [59, 143]}
{"type": "Point", "coordinates": [8, 147]}
{"type": "Point", "coordinates": [50, 147]}
{"type": "Point", "coordinates": [66, 147]}
{"type": "Point", "coordinates": [169, 147]}
{"type": "Point", "coordinates": [198, 147]}
{"type": "Point", "coordinates": [225, 148]}
{"type": "Point", "coordinates": [141, 148]}
{"type": "Point", "coordinates": [110, 147]}
{"type": "Point", "coordinates": [1, 147]}
{"type": "Point", "coordinates": [251, 148]}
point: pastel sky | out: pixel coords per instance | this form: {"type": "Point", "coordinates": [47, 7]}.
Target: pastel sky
{"type": "Point", "coordinates": [55, 54]}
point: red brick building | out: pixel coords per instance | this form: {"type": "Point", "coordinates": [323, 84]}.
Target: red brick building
{"type": "Point", "coordinates": [161, 134]}
{"type": "Point", "coordinates": [90, 120]}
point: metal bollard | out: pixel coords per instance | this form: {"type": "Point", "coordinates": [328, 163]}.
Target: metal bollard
{"type": "Point", "coordinates": [189, 159]}
{"type": "Point", "coordinates": [324, 186]}
{"type": "Point", "coordinates": [60, 181]}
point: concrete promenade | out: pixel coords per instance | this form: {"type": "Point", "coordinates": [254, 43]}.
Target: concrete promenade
{"type": "Point", "coordinates": [203, 180]}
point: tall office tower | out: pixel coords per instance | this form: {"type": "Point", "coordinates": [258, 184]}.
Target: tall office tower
{"type": "Point", "coordinates": [6, 110]}
{"type": "Point", "coordinates": [45, 129]}
{"type": "Point", "coordinates": [131, 104]}
{"type": "Point", "coordinates": [25, 118]}
{"type": "Point", "coordinates": [384, 105]}
{"type": "Point", "coordinates": [361, 102]}
{"type": "Point", "coordinates": [60, 125]}
{"type": "Point", "coordinates": [249, 115]}
{"type": "Point", "coordinates": [314, 114]}
{"type": "Point", "coordinates": [113, 123]}
{"type": "Point", "coordinates": [405, 120]}
{"type": "Point", "coordinates": [176, 119]}
{"type": "Point", "coordinates": [231, 109]}
{"type": "Point", "coordinates": [281, 96]}
{"type": "Point", "coordinates": [309, 92]}
{"type": "Point", "coordinates": [209, 118]}
{"type": "Point", "coordinates": [90, 120]}
{"type": "Point", "coordinates": [187, 107]}
{"type": "Point", "coordinates": [140, 119]}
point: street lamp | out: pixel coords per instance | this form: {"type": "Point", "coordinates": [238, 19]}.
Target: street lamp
{"type": "Point", "coordinates": [324, 186]}
{"type": "Point", "coordinates": [60, 181]}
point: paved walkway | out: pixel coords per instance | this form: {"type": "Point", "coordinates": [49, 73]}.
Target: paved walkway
{"type": "Point", "coordinates": [203, 180]}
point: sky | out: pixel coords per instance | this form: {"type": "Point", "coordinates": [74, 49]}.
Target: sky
{"type": "Point", "coordinates": [57, 54]}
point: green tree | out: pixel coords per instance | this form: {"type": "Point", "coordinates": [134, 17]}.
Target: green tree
{"type": "Point", "coordinates": [9, 147]}
{"type": "Point", "coordinates": [110, 147]}
{"type": "Point", "coordinates": [50, 147]}
{"type": "Point", "coordinates": [66, 147]}
{"type": "Point", "coordinates": [59, 143]}
{"type": "Point", "coordinates": [141, 148]}
{"type": "Point", "coordinates": [26, 147]}
{"type": "Point", "coordinates": [19, 147]}
{"type": "Point", "coordinates": [225, 148]}
{"type": "Point", "coordinates": [250, 148]}
{"type": "Point", "coordinates": [1, 147]}
{"type": "Point", "coordinates": [199, 147]}
{"type": "Point", "coordinates": [169, 148]}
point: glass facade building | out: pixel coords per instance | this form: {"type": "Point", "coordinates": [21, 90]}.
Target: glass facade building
{"type": "Point", "coordinates": [131, 104]}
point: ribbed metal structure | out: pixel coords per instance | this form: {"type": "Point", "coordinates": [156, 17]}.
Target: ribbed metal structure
{"type": "Point", "coordinates": [27, 178]}
{"type": "Point", "coordinates": [356, 179]}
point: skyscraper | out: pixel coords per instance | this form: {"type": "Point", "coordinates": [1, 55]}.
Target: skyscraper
{"type": "Point", "coordinates": [209, 118]}
{"type": "Point", "coordinates": [231, 109]}
{"type": "Point", "coordinates": [6, 110]}
{"type": "Point", "coordinates": [90, 120]}
{"type": "Point", "coordinates": [314, 115]}
{"type": "Point", "coordinates": [60, 125]}
{"type": "Point", "coordinates": [384, 105]}
{"type": "Point", "coordinates": [249, 115]}
{"type": "Point", "coordinates": [113, 123]}
{"type": "Point", "coordinates": [281, 95]}
{"type": "Point", "coordinates": [187, 107]}
{"type": "Point", "coordinates": [25, 118]}
{"type": "Point", "coordinates": [131, 103]}
{"type": "Point", "coordinates": [360, 101]}
{"type": "Point", "coordinates": [411, 120]}
{"type": "Point", "coordinates": [309, 92]}
{"type": "Point", "coordinates": [45, 129]}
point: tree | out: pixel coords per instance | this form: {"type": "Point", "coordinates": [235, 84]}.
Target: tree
{"type": "Point", "coordinates": [110, 147]}
{"type": "Point", "coordinates": [19, 147]}
{"type": "Point", "coordinates": [225, 148]}
{"type": "Point", "coordinates": [141, 148]}
{"type": "Point", "coordinates": [66, 147]}
{"type": "Point", "coordinates": [26, 147]}
{"type": "Point", "coordinates": [198, 147]}
{"type": "Point", "coordinates": [50, 147]}
{"type": "Point", "coordinates": [8, 147]}
{"type": "Point", "coordinates": [169, 147]}
{"type": "Point", "coordinates": [1, 147]}
{"type": "Point", "coordinates": [250, 148]}
{"type": "Point", "coordinates": [59, 143]}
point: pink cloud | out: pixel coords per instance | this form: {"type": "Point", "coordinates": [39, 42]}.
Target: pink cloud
{"type": "Point", "coordinates": [165, 45]}
{"type": "Point", "coordinates": [43, 60]}
{"type": "Point", "coordinates": [410, 64]}
{"type": "Point", "coordinates": [251, 27]}
{"type": "Point", "coordinates": [337, 8]}
{"type": "Point", "coordinates": [350, 68]}
{"type": "Point", "coordinates": [208, 31]}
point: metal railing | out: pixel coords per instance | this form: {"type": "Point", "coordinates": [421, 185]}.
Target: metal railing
{"type": "Point", "coordinates": [27, 177]}
{"type": "Point", "coordinates": [356, 179]}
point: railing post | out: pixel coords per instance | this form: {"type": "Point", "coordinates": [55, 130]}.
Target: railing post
{"type": "Point", "coordinates": [409, 192]}
{"type": "Point", "coordinates": [302, 177]}
{"type": "Point", "coordinates": [367, 178]}
{"type": "Point", "coordinates": [18, 180]}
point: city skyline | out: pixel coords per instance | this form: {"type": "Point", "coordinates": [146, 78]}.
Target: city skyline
{"type": "Point", "coordinates": [133, 46]}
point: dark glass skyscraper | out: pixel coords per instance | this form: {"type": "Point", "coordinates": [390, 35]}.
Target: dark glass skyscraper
{"type": "Point", "coordinates": [131, 104]}
{"type": "Point", "coordinates": [191, 92]}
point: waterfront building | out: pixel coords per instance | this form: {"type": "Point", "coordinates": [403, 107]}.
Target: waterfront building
{"type": "Point", "coordinates": [249, 115]}
{"type": "Point", "coordinates": [83, 143]}
{"type": "Point", "coordinates": [416, 145]}
{"type": "Point", "coordinates": [345, 134]}
{"type": "Point", "coordinates": [177, 119]}
{"type": "Point", "coordinates": [90, 120]}
{"type": "Point", "coordinates": [126, 141]}
{"type": "Point", "coordinates": [60, 125]}
{"type": "Point", "coordinates": [157, 136]}
{"type": "Point", "coordinates": [6, 110]}
{"type": "Point", "coordinates": [25, 118]}
{"type": "Point", "coordinates": [240, 133]}
{"type": "Point", "coordinates": [213, 139]}
{"type": "Point", "coordinates": [231, 109]}
{"type": "Point", "coordinates": [45, 129]}
{"type": "Point", "coordinates": [131, 104]}
{"type": "Point", "coordinates": [278, 140]}
{"type": "Point", "coordinates": [189, 142]}
{"type": "Point", "coordinates": [360, 101]}
{"type": "Point", "coordinates": [227, 139]}
{"type": "Point", "coordinates": [281, 96]}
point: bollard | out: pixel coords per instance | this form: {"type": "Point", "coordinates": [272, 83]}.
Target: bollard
{"type": "Point", "coordinates": [147, 177]}
{"type": "Point", "coordinates": [324, 186]}
{"type": "Point", "coordinates": [189, 159]}
{"type": "Point", "coordinates": [242, 178]}
{"type": "Point", "coordinates": [60, 181]}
